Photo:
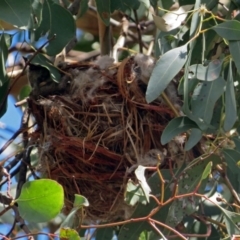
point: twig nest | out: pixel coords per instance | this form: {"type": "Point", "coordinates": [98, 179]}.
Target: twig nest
{"type": "Point", "coordinates": [98, 129]}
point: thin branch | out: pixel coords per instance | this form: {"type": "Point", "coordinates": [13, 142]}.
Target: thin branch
{"type": "Point", "coordinates": [26, 158]}
{"type": "Point", "coordinates": [23, 70]}
{"type": "Point", "coordinates": [20, 220]}
{"type": "Point", "coordinates": [168, 227]}
{"type": "Point", "coordinates": [122, 39]}
{"type": "Point", "coordinates": [138, 31]}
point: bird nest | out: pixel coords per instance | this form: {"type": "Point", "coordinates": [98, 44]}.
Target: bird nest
{"type": "Point", "coordinates": [93, 136]}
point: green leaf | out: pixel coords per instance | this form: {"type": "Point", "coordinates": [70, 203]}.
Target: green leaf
{"type": "Point", "coordinates": [80, 201]}
{"type": "Point", "coordinates": [167, 4]}
{"type": "Point", "coordinates": [195, 19]}
{"type": "Point", "coordinates": [234, 47]}
{"type": "Point", "coordinates": [210, 4]}
{"type": "Point", "coordinates": [105, 233]}
{"type": "Point", "coordinates": [165, 70]}
{"type": "Point", "coordinates": [205, 97]}
{"type": "Point", "coordinates": [232, 158]}
{"type": "Point", "coordinates": [236, 140]}
{"type": "Point", "coordinates": [175, 127]}
{"type": "Point", "coordinates": [206, 73]}
{"type": "Point", "coordinates": [146, 3]}
{"type": "Point", "coordinates": [3, 60]}
{"type": "Point", "coordinates": [231, 219]}
{"type": "Point", "coordinates": [189, 181]}
{"type": "Point", "coordinates": [229, 30]}
{"type": "Point", "coordinates": [72, 219]}
{"type": "Point", "coordinates": [25, 91]}
{"type": "Point", "coordinates": [207, 171]}
{"type": "Point", "coordinates": [123, 5]}
{"type": "Point", "coordinates": [195, 137]}
{"type": "Point", "coordinates": [169, 21]}
{"type": "Point", "coordinates": [202, 49]}
{"type": "Point", "coordinates": [230, 102]}
{"type": "Point", "coordinates": [41, 60]}
{"type": "Point", "coordinates": [134, 194]}
{"type": "Point", "coordinates": [69, 234]}
{"type": "Point", "coordinates": [185, 2]}
{"type": "Point", "coordinates": [83, 8]}
{"type": "Point", "coordinates": [40, 200]}
{"type": "Point", "coordinates": [103, 8]}
{"type": "Point", "coordinates": [133, 230]}
{"type": "Point", "coordinates": [4, 80]}
{"type": "Point", "coordinates": [186, 85]}
{"type": "Point", "coordinates": [15, 12]}
{"type": "Point", "coordinates": [192, 83]}
{"type": "Point", "coordinates": [56, 21]}
{"type": "Point", "coordinates": [36, 14]}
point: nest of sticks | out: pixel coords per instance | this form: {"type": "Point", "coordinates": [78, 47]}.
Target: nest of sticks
{"type": "Point", "coordinates": [92, 137]}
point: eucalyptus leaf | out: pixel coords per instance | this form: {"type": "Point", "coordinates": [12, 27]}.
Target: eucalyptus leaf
{"type": "Point", "coordinates": [104, 11]}
{"type": "Point", "coordinates": [72, 219]}
{"type": "Point", "coordinates": [123, 5]}
{"type": "Point", "coordinates": [175, 127]}
{"type": "Point", "coordinates": [105, 233]}
{"type": "Point", "coordinates": [40, 200]}
{"type": "Point", "coordinates": [133, 230]}
{"type": "Point", "coordinates": [146, 3]}
{"type": "Point", "coordinates": [186, 90]}
{"type": "Point", "coordinates": [15, 12]}
{"type": "Point", "coordinates": [194, 138]}
{"type": "Point", "coordinates": [231, 219]}
{"type": "Point", "coordinates": [205, 97]}
{"type": "Point", "coordinates": [186, 108]}
{"type": "Point", "coordinates": [3, 60]}
{"type": "Point", "coordinates": [234, 47]}
{"type": "Point", "coordinates": [204, 44]}
{"type": "Point", "coordinates": [232, 158]}
{"type": "Point", "coordinates": [236, 140]}
{"type": "Point", "coordinates": [167, 3]}
{"type": "Point", "coordinates": [4, 80]}
{"type": "Point", "coordinates": [185, 2]}
{"type": "Point", "coordinates": [83, 8]}
{"type": "Point", "coordinates": [195, 19]}
{"type": "Point", "coordinates": [36, 14]}
{"type": "Point", "coordinates": [80, 201]}
{"type": "Point", "coordinates": [165, 70]}
{"type": "Point", "coordinates": [59, 26]}
{"type": "Point", "coordinates": [172, 19]}
{"type": "Point", "coordinates": [206, 73]}
{"type": "Point", "coordinates": [193, 179]}
{"type": "Point", "coordinates": [134, 194]}
{"type": "Point", "coordinates": [169, 40]}
{"type": "Point", "coordinates": [230, 102]}
{"type": "Point", "coordinates": [210, 4]}
{"type": "Point", "coordinates": [230, 29]}
{"type": "Point", "coordinates": [192, 83]}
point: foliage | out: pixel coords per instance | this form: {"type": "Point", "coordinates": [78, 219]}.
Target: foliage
{"type": "Point", "coordinates": [199, 45]}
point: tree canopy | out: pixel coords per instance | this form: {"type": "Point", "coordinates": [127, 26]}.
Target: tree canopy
{"type": "Point", "coordinates": [130, 119]}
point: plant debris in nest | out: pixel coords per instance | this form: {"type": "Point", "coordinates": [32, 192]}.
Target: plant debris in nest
{"type": "Point", "coordinates": [97, 130]}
